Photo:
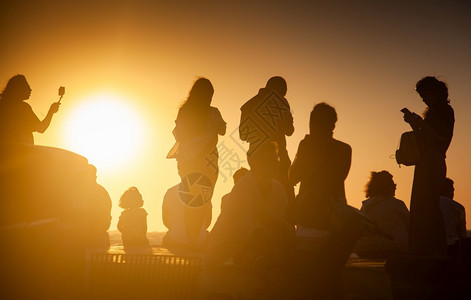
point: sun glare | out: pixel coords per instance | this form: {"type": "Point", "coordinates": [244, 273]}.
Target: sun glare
{"type": "Point", "coordinates": [106, 131]}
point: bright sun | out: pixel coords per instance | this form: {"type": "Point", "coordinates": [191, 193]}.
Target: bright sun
{"type": "Point", "coordinates": [106, 131]}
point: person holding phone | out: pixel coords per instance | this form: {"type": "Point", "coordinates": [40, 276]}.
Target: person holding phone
{"type": "Point", "coordinates": [434, 133]}
{"type": "Point", "coordinates": [17, 119]}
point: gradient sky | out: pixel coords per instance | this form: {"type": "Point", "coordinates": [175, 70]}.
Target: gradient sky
{"type": "Point", "coordinates": [362, 57]}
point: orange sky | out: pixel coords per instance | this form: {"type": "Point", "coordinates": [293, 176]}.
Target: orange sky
{"type": "Point", "coordinates": [363, 58]}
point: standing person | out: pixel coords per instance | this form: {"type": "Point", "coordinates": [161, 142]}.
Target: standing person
{"type": "Point", "coordinates": [434, 133]}
{"type": "Point", "coordinates": [17, 119]}
{"type": "Point", "coordinates": [133, 220]}
{"type": "Point", "coordinates": [390, 215]}
{"type": "Point", "coordinates": [321, 165]}
{"type": "Point", "coordinates": [267, 118]}
{"type": "Point", "coordinates": [197, 127]}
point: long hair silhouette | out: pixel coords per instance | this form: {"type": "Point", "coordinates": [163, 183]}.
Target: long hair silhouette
{"type": "Point", "coordinates": [16, 89]}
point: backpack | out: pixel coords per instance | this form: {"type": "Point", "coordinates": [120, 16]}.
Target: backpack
{"type": "Point", "coordinates": [408, 153]}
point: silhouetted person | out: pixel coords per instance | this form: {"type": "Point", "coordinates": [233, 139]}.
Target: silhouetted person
{"type": "Point", "coordinates": [236, 177]}
{"type": "Point", "coordinates": [458, 244]}
{"type": "Point", "coordinates": [197, 127]}
{"type": "Point", "coordinates": [90, 209]}
{"type": "Point", "coordinates": [390, 215]}
{"type": "Point", "coordinates": [434, 133]}
{"type": "Point", "coordinates": [17, 119]}
{"type": "Point", "coordinates": [133, 220]}
{"type": "Point", "coordinates": [321, 165]}
{"type": "Point", "coordinates": [98, 211]}
{"type": "Point", "coordinates": [256, 206]}
{"type": "Point", "coordinates": [454, 215]}
{"type": "Point", "coordinates": [187, 226]}
{"type": "Point", "coordinates": [267, 117]}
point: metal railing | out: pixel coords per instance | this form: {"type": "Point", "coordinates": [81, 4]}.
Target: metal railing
{"type": "Point", "coordinates": [137, 276]}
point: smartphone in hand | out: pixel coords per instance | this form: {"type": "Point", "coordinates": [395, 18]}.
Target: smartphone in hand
{"type": "Point", "coordinates": [406, 111]}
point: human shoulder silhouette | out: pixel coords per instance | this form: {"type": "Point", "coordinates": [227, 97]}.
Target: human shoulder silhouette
{"type": "Point", "coordinates": [17, 119]}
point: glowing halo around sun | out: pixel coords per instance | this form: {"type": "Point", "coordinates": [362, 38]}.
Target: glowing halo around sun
{"type": "Point", "coordinates": [106, 130]}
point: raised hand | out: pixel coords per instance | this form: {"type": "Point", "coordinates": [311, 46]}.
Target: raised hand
{"type": "Point", "coordinates": [54, 107]}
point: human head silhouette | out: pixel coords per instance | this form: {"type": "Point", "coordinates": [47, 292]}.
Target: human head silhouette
{"type": "Point", "coordinates": [433, 92]}
{"type": "Point", "coordinates": [131, 198]}
{"type": "Point", "coordinates": [201, 93]}
{"type": "Point", "coordinates": [277, 84]}
{"type": "Point", "coordinates": [239, 174]}
{"type": "Point", "coordinates": [380, 184]}
{"type": "Point", "coordinates": [17, 89]}
{"type": "Point", "coordinates": [264, 160]}
{"type": "Point", "coordinates": [323, 119]}
{"type": "Point", "coordinates": [447, 188]}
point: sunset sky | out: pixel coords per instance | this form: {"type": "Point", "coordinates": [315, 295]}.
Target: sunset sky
{"type": "Point", "coordinates": [128, 65]}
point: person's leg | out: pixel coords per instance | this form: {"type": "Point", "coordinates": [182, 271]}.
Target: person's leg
{"type": "Point", "coordinates": [427, 231]}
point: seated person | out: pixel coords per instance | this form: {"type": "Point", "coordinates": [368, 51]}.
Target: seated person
{"type": "Point", "coordinates": [454, 215]}
{"type": "Point", "coordinates": [390, 215]}
{"type": "Point", "coordinates": [327, 228]}
{"type": "Point", "coordinates": [133, 220]}
{"type": "Point", "coordinates": [99, 208]}
{"type": "Point", "coordinates": [93, 208]}
{"type": "Point", "coordinates": [256, 200]}
{"type": "Point", "coordinates": [187, 225]}
{"type": "Point", "coordinates": [236, 176]}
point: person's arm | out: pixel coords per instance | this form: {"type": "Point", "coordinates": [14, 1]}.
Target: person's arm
{"type": "Point", "coordinates": [288, 122]}
{"type": "Point", "coordinates": [298, 167]}
{"type": "Point", "coordinates": [243, 132]}
{"type": "Point", "coordinates": [339, 170]}
{"type": "Point", "coordinates": [414, 120]}
{"type": "Point", "coordinates": [433, 136]}
{"type": "Point", "coordinates": [220, 123]}
{"type": "Point", "coordinates": [345, 164]}
{"type": "Point", "coordinates": [180, 132]}
{"type": "Point", "coordinates": [289, 129]}
{"type": "Point", "coordinates": [222, 129]}
{"type": "Point", "coordinates": [44, 124]}
{"type": "Point", "coordinates": [427, 133]}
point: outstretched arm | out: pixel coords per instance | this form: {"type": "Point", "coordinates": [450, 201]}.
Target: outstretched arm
{"type": "Point", "coordinates": [44, 124]}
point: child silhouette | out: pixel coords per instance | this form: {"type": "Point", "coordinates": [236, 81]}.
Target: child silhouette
{"type": "Point", "coordinates": [133, 220]}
